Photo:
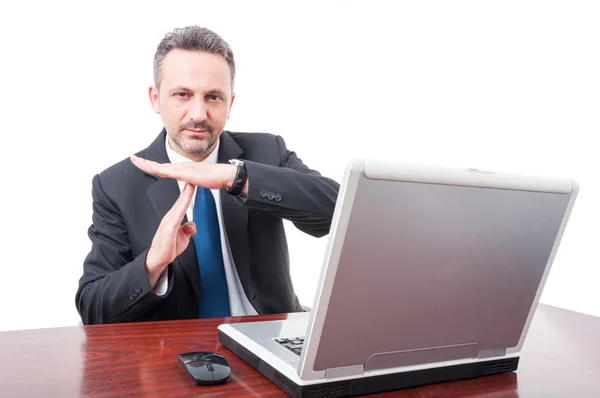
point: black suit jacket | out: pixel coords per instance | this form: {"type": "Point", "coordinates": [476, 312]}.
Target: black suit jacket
{"type": "Point", "coordinates": [129, 204]}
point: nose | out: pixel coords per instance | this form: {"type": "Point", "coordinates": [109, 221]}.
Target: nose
{"type": "Point", "coordinates": [197, 109]}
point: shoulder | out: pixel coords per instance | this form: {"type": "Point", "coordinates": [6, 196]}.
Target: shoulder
{"type": "Point", "coordinates": [124, 169]}
{"type": "Point", "coordinates": [258, 143]}
{"type": "Point", "coordinates": [267, 148]}
{"type": "Point", "coordinates": [254, 138]}
{"type": "Point", "coordinates": [122, 177]}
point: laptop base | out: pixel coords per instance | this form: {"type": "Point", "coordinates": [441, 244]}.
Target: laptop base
{"type": "Point", "coordinates": [372, 384]}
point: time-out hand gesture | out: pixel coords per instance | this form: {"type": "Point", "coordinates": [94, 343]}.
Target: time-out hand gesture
{"type": "Point", "coordinates": [211, 176]}
{"type": "Point", "coordinates": [171, 238]}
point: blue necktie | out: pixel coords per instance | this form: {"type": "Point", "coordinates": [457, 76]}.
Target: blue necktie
{"type": "Point", "coordinates": [214, 299]}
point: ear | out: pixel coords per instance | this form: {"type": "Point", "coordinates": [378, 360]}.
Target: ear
{"type": "Point", "coordinates": [153, 94]}
{"type": "Point", "coordinates": [230, 105]}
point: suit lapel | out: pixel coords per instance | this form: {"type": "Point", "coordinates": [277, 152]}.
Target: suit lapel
{"type": "Point", "coordinates": [163, 194]}
{"type": "Point", "coordinates": [235, 216]}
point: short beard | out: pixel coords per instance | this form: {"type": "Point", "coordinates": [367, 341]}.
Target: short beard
{"type": "Point", "coordinates": [203, 149]}
{"type": "Point", "coordinates": [206, 146]}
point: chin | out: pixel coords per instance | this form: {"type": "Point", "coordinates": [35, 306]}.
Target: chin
{"type": "Point", "coordinates": [196, 147]}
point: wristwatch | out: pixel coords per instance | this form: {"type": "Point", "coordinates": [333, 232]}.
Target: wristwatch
{"type": "Point", "coordinates": [240, 177]}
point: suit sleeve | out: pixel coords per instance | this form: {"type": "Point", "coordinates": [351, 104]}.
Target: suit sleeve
{"type": "Point", "coordinates": [114, 286]}
{"type": "Point", "coordinates": [292, 191]}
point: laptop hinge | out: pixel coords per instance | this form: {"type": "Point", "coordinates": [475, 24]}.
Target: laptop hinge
{"type": "Point", "coordinates": [345, 371]}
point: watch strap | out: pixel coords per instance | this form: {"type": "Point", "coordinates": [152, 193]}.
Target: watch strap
{"type": "Point", "coordinates": [240, 178]}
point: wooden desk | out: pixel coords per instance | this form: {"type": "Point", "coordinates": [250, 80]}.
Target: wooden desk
{"type": "Point", "coordinates": [561, 358]}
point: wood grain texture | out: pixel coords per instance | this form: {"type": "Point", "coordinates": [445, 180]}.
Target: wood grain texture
{"type": "Point", "coordinates": [561, 358]}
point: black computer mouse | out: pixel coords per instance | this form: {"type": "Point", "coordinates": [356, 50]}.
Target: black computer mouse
{"type": "Point", "coordinates": [205, 368]}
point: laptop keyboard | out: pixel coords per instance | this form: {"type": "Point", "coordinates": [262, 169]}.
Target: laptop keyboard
{"type": "Point", "coordinates": [294, 344]}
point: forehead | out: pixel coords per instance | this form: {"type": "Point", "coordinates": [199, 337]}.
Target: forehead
{"type": "Point", "coordinates": [196, 70]}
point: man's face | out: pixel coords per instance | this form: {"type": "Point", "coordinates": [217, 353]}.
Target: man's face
{"type": "Point", "coordinates": [194, 100]}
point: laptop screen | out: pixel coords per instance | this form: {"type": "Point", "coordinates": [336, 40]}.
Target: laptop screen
{"type": "Point", "coordinates": [426, 266]}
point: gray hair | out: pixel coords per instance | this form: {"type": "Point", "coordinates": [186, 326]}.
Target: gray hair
{"type": "Point", "coordinates": [192, 38]}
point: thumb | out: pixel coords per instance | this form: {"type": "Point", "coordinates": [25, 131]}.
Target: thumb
{"type": "Point", "coordinates": [189, 228]}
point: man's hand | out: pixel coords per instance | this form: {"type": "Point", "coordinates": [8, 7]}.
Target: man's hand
{"type": "Point", "coordinates": [171, 238]}
{"type": "Point", "coordinates": [211, 176]}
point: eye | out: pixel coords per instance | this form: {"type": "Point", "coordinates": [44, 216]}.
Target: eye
{"type": "Point", "coordinates": [214, 97]}
{"type": "Point", "coordinates": [182, 95]}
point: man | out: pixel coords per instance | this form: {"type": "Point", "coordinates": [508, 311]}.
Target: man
{"type": "Point", "coordinates": [192, 226]}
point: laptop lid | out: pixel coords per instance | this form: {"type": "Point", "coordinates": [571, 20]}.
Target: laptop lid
{"type": "Point", "coordinates": [428, 264]}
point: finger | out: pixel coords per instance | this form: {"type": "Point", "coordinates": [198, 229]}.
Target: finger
{"type": "Point", "coordinates": [182, 203]}
{"type": "Point", "coordinates": [189, 228]}
{"type": "Point", "coordinates": [190, 172]}
{"type": "Point", "coordinates": [161, 170]}
{"type": "Point", "coordinates": [184, 171]}
{"type": "Point", "coordinates": [144, 164]}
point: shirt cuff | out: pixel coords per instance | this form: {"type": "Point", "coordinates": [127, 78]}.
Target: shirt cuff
{"type": "Point", "coordinates": [162, 284]}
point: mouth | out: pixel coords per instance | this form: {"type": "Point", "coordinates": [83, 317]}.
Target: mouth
{"type": "Point", "coordinates": [198, 131]}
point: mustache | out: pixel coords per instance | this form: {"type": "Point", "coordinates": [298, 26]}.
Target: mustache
{"type": "Point", "coordinates": [203, 125]}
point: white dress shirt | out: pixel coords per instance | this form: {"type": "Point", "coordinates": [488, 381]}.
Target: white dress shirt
{"type": "Point", "coordinates": [238, 302]}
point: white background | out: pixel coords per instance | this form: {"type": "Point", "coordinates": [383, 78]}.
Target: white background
{"type": "Point", "coordinates": [504, 85]}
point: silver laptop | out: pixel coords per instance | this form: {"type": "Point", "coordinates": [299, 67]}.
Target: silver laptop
{"type": "Point", "coordinates": [430, 274]}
